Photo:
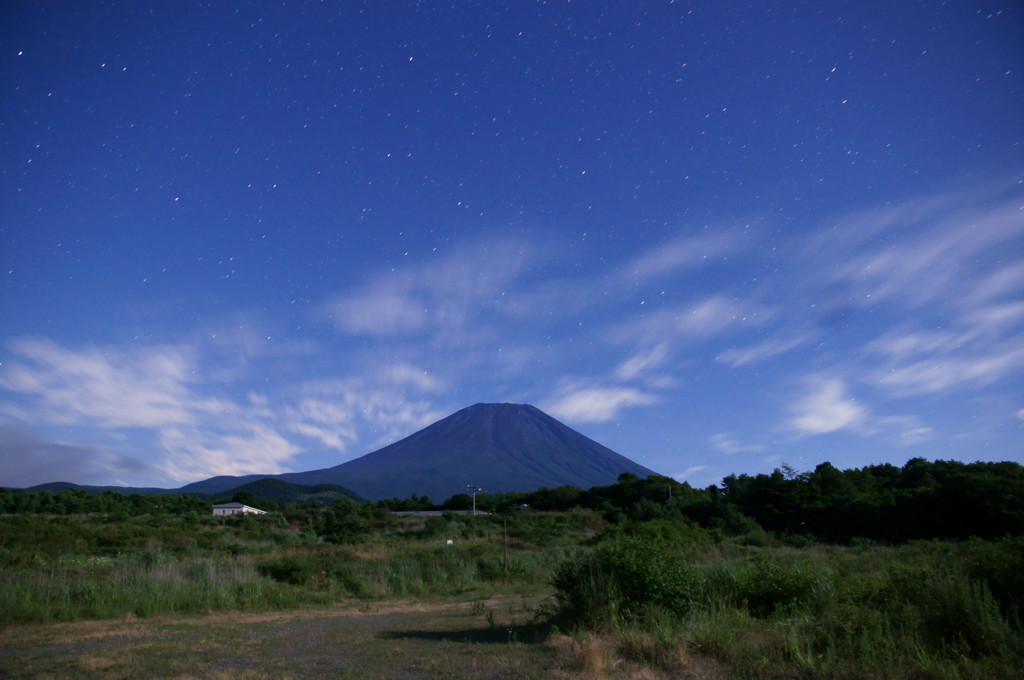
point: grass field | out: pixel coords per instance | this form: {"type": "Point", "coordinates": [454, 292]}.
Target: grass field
{"type": "Point", "coordinates": [540, 595]}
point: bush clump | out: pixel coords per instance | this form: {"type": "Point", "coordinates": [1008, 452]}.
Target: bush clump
{"type": "Point", "coordinates": [292, 569]}
{"type": "Point", "coordinates": [623, 581]}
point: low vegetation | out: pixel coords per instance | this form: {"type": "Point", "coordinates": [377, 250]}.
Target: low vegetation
{"type": "Point", "coordinates": [773, 576]}
{"type": "Point", "coordinates": [925, 609]}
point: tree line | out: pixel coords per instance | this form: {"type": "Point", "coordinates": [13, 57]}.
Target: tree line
{"type": "Point", "coordinates": [920, 500]}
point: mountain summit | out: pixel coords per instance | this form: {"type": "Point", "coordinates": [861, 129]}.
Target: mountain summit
{"type": "Point", "coordinates": [498, 447]}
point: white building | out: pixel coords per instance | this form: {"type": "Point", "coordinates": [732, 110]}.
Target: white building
{"type": "Point", "coordinates": [224, 509]}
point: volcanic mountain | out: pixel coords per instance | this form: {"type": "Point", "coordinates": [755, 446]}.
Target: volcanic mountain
{"type": "Point", "coordinates": [498, 447]}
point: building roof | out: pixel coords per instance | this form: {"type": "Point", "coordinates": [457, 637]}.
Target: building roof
{"type": "Point", "coordinates": [235, 506]}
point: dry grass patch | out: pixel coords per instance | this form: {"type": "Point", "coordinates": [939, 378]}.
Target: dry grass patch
{"type": "Point", "coordinates": [95, 663]}
{"type": "Point", "coordinates": [591, 657]}
{"type": "Point", "coordinates": [73, 632]}
{"type": "Point", "coordinates": [403, 639]}
{"type": "Point", "coordinates": [371, 551]}
{"type": "Point", "coordinates": [629, 657]}
{"type": "Point", "coordinates": [233, 675]}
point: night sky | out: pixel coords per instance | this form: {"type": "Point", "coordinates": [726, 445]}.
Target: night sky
{"type": "Point", "coordinates": [716, 237]}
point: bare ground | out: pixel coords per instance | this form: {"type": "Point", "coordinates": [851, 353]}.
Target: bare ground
{"type": "Point", "coordinates": [400, 640]}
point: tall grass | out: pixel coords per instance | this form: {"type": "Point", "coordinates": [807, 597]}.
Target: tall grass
{"type": "Point", "coordinates": [922, 610]}
{"type": "Point", "coordinates": [414, 570]}
{"type": "Point", "coordinates": [85, 569]}
{"type": "Point", "coordinates": [99, 588]}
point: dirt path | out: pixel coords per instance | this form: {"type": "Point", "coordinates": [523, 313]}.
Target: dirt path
{"type": "Point", "coordinates": [401, 640]}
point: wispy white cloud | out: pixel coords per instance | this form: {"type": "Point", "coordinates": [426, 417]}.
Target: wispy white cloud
{"type": "Point", "coordinates": [186, 425]}
{"type": "Point", "coordinates": [333, 436]}
{"type": "Point", "coordinates": [443, 296]}
{"type": "Point", "coordinates": [404, 373]}
{"type": "Point", "coordinates": [331, 423]}
{"type": "Point", "coordinates": [685, 252]}
{"type": "Point", "coordinates": [642, 362]}
{"type": "Point", "coordinates": [691, 473]}
{"type": "Point", "coordinates": [715, 313]}
{"type": "Point", "coordinates": [725, 442]}
{"type": "Point", "coordinates": [371, 410]}
{"type": "Point", "coordinates": [148, 389]}
{"type": "Point", "coordinates": [916, 434]}
{"type": "Point", "coordinates": [825, 407]}
{"type": "Point", "coordinates": [392, 414]}
{"type": "Point", "coordinates": [994, 318]}
{"type": "Point", "coordinates": [920, 298]}
{"type": "Point", "coordinates": [502, 306]}
{"type": "Point", "coordinates": [901, 430]}
{"type": "Point", "coordinates": [909, 343]}
{"type": "Point", "coordinates": [940, 249]}
{"type": "Point", "coordinates": [596, 404]}
{"type": "Point", "coordinates": [250, 448]}
{"type": "Point", "coordinates": [982, 346]}
{"type": "Point", "coordinates": [711, 316]}
{"type": "Point", "coordinates": [941, 374]}
{"type": "Point", "coordinates": [1002, 282]}
{"type": "Point", "coordinates": [145, 387]}
{"type": "Point", "coordinates": [384, 308]}
{"type": "Point", "coordinates": [767, 349]}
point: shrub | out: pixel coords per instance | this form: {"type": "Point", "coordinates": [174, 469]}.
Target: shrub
{"type": "Point", "coordinates": [1000, 566]}
{"type": "Point", "coordinates": [624, 581]}
{"type": "Point", "coordinates": [292, 569]}
{"type": "Point", "coordinates": [768, 586]}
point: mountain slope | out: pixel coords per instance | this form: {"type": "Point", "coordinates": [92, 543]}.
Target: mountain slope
{"type": "Point", "coordinates": [500, 447]}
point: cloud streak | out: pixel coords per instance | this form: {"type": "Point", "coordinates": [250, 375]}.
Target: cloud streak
{"type": "Point", "coordinates": [141, 388]}
{"type": "Point", "coordinates": [934, 375]}
{"type": "Point", "coordinates": [151, 399]}
{"type": "Point", "coordinates": [596, 404]}
{"type": "Point", "coordinates": [726, 443]}
{"type": "Point", "coordinates": [762, 351]}
{"type": "Point", "coordinates": [936, 250]}
{"type": "Point", "coordinates": [444, 297]}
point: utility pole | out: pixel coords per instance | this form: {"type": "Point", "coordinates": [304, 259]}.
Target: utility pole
{"type": "Point", "coordinates": [473, 488]}
{"type": "Point", "coordinates": [504, 545]}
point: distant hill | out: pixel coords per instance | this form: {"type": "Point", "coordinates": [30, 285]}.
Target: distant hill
{"type": "Point", "coordinates": [280, 491]}
{"type": "Point", "coordinates": [499, 447]}
{"type": "Point", "coordinates": [263, 488]}
{"type": "Point", "coordinates": [57, 487]}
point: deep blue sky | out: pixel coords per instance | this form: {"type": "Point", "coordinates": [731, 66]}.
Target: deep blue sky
{"type": "Point", "coordinates": [716, 237]}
